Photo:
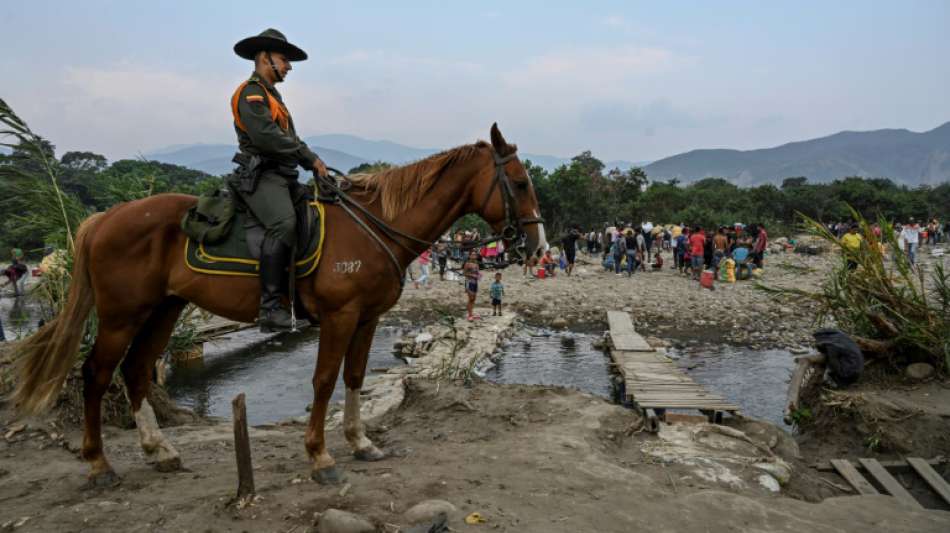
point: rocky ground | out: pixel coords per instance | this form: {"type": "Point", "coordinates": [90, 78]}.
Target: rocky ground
{"type": "Point", "coordinates": [664, 304]}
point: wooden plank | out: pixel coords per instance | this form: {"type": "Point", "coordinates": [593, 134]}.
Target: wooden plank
{"type": "Point", "coordinates": [631, 343]}
{"type": "Point", "coordinates": [680, 399]}
{"type": "Point", "coordinates": [619, 322]}
{"type": "Point", "coordinates": [886, 480]}
{"type": "Point", "coordinates": [672, 388]}
{"type": "Point", "coordinates": [622, 334]}
{"type": "Point", "coordinates": [851, 475]}
{"type": "Point", "coordinates": [686, 405]}
{"type": "Point", "coordinates": [650, 375]}
{"type": "Point", "coordinates": [937, 483]}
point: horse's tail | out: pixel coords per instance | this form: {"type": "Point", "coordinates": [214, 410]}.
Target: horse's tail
{"type": "Point", "coordinates": [45, 358]}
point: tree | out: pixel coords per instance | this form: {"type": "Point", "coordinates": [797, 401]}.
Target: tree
{"type": "Point", "coordinates": [84, 161]}
{"type": "Point", "coordinates": [789, 183]}
{"type": "Point", "coordinates": [370, 168]}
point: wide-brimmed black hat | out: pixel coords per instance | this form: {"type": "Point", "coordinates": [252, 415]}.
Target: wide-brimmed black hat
{"type": "Point", "coordinates": [269, 40]}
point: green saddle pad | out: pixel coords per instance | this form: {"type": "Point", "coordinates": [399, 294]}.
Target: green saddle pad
{"type": "Point", "coordinates": [231, 257]}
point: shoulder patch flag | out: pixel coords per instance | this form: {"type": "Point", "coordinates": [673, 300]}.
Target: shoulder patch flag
{"type": "Point", "coordinates": [252, 98]}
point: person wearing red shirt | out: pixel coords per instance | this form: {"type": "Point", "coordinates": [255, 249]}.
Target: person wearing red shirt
{"type": "Point", "coordinates": [697, 245]}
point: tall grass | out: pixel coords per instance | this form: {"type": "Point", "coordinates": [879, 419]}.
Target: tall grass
{"type": "Point", "coordinates": [885, 298]}
{"type": "Point", "coordinates": [35, 184]}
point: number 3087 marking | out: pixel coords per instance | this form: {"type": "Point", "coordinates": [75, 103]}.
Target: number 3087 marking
{"type": "Point", "coordinates": [347, 267]}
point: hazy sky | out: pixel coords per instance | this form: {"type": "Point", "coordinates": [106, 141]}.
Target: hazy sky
{"type": "Point", "coordinates": [630, 80]}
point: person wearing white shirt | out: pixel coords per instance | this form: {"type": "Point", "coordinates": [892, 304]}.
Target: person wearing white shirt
{"type": "Point", "coordinates": [910, 235]}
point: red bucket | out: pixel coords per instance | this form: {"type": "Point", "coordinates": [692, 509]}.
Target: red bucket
{"type": "Point", "coordinates": [706, 279]}
{"type": "Point", "coordinates": [542, 273]}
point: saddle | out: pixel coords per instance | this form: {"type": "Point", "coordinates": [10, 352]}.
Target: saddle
{"type": "Point", "coordinates": [224, 238]}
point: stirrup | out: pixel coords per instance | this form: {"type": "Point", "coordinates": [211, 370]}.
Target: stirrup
{"type": "Point", "coordinates": [267, 323]}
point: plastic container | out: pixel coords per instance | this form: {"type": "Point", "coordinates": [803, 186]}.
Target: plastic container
{"type": "Point", "coordinates": [706, 278]}
{"type": "Point", "coordinates": [542, 273]}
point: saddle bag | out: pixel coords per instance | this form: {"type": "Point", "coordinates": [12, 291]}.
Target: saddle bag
{"type": "Point", "coordinates": [209, 221]}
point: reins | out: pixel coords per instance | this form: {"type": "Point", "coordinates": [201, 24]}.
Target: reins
{"type": "Point", "coordinates": [514, 226]}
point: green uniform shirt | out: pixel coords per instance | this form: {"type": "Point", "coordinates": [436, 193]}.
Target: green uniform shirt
{"type": "Point", "coordinates": [264, 137]}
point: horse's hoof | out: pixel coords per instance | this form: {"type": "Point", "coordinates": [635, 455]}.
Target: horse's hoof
{"type": "Point", "coordinates": [370, 454]}
{"type": "Point", "coordinates": [102, 480]}
{"type": "Point", "coordinates": [330, 475]}
{"type": "Point", "coordinates": [172, 464]}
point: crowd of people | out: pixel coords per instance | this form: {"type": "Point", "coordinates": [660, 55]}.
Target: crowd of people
{"type": "Point", "coordinates": [631, 248]}
{"type": "Point", "coordinates": [909, 235]}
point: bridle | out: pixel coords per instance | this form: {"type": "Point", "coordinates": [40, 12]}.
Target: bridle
{"type": "Point", "coordinates": [513, 228]}
{"type": "Point", "coordinates": [514, 225]}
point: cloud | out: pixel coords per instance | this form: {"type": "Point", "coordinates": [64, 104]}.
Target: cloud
{"type": "Point", "coordinates": [392, 61]}
{"type": "Point", "coordinates": [614, 21]}
{"type": "Point", "coordinates": [123, 109]}
{"type": "Point", "coordinates": [647, 117]}
{"type": "Point", "coordinates": [592, 70]}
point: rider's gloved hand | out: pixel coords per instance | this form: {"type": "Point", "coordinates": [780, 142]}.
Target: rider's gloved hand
{"type": "Point", "coordinates": [319, 168]}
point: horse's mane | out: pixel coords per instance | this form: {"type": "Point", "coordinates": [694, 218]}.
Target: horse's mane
{"type": "Point", "coordinates": [402, 187]}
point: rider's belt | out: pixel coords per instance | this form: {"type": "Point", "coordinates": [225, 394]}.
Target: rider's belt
{"type": "Point", "coordinates": [251, 167]}
{"type": "Point", "coordinates": [278, 113]}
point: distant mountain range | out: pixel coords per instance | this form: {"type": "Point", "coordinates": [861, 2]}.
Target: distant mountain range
{"type": "Point", "coordinates": [339, 151]}
{"type": "Point", "coordinates": [216, 158]}
{"type": "Point", "coordinates": [904, 156]}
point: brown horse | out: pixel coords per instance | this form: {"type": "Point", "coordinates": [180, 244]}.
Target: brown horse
{"type": "Point", "coordinates": [129, 265]}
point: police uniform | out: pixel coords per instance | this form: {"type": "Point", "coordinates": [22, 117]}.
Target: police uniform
{"type": "Point", "coordinates": [266, 131]}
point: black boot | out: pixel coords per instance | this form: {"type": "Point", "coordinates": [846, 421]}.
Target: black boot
{"type": "Point", "coordinates": [274, 260]}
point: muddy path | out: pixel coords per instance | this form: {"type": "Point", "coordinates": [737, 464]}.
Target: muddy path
{"type": "Point", "coordinates": [527, 458]}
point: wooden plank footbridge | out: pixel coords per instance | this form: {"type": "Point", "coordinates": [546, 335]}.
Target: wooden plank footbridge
{"type": "Point", "coordinates": [652, 382]}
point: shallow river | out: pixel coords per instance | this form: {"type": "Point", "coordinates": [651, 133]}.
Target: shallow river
{"type": "Point", "coordinates": [544, 357]}
{"type": "Point", "coordinates": [275, 372]}
{"type": "Point", "coordinates": [756, 381]}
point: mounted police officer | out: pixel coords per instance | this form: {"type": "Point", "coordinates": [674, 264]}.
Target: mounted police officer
{"type": "Point", "coordinates": [270, 152]}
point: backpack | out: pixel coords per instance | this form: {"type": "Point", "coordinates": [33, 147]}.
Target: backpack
{"type": "Point", "coordinates": [209, 221]}
{"type": "Point", "coordinates": [630, 243]}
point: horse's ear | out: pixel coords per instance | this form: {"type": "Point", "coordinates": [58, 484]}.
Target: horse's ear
{"type": "Point", "coordinates": [498, 141]}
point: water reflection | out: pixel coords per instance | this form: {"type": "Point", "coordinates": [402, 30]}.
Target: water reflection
{"type": "Point", "coordinates": [542, 357]}
{"type": "Point", "coordinates": [755, 380]}
{"type": "Point", "coordinates": [275, 372]}
{"type": "Point", "coordinates": [20, 316]}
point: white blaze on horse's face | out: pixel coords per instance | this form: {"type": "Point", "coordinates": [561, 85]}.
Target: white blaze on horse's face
{"type": "Point", "coordinates": [536, 238]}
{"type": "Point", "coordinates": [542, 240]}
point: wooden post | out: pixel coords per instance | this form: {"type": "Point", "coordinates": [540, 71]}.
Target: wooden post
{"type": "Point", "coordinates": [803, 364]}
{"type": "Point", "coordinates": [242, 447]}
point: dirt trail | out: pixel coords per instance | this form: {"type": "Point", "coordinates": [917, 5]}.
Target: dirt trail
{"type": "Point", "coordinates": [527, 458]}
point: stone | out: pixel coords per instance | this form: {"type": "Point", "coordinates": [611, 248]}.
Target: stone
{"type": "Point", "coordinates": [337, 521]}
{"type": "Point", "coordinates": [769, 483]}
{"type": "Point", "coordinates": [777, 469]}
{"type": "Point", "coordinates": [919, 371]}
{"type": "Point", "coordinates": [428, 510]}
{"type": "Point", "coordinates": [559, 323]}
